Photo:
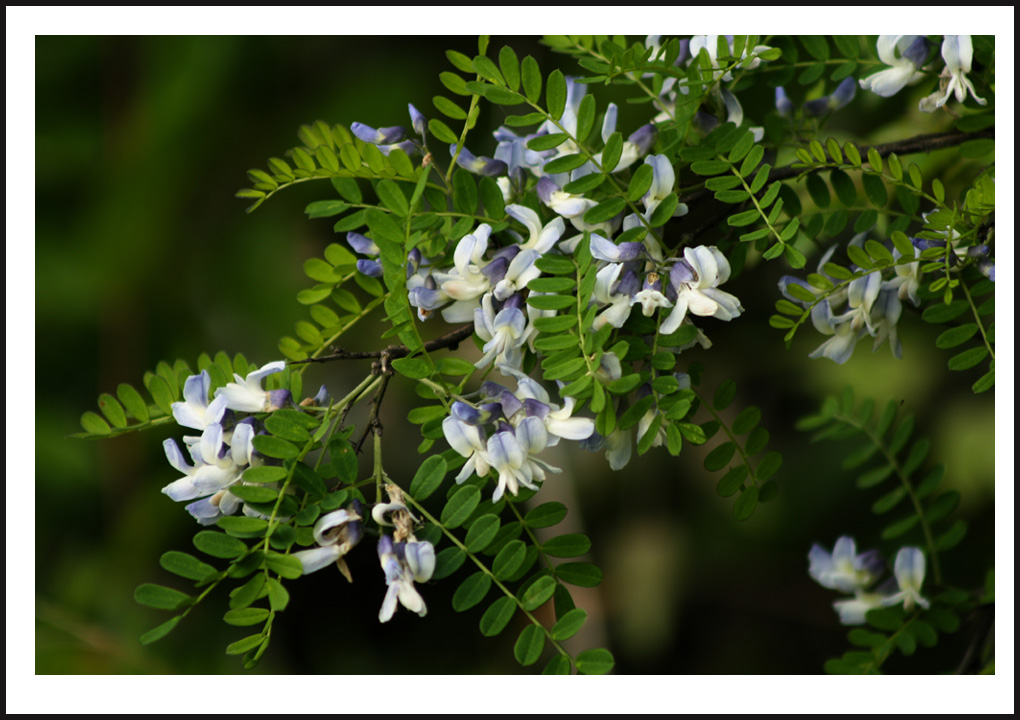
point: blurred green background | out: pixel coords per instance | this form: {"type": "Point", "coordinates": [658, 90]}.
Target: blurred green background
{"type": "Point", "coordinates": [142, 254]}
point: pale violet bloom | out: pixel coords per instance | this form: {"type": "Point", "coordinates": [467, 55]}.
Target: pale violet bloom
{"type": "Point", "coordinates": [696, 280]}
{"type": "Point", "coordinates": [909, 570]}
{"type": "Point", "coordinates": [504, 333]}
{"type": "Point", "coordinates": [958, 52]}
{"type": "Point", "coordinates": [470, 442]}
{"type": "Point", "coordinates": [844, 569]}
{"type": "Point", "coordinates": [478, 165]}
{"type": "Point", "coordinates": [535, 402]}
{"type": "Point", "coordinates": [466, 281]}
{"type": "Point", "coordinates": [247, 395]}
{"type": "Point", "coordinates": [215, 468]}
{"type": "Point", "coordinates": [196, 411]}
{"type": "Point", "coordinates": [710, 43]}
{"type": "Point", "coordinates": [404, 564]}
{"type": "Point", "coordinates": [905, 54]}
{"type": "Point", "coordinates": [510, 450]}
{"type": "Point", "coordinates": [335, 534]}
{"type": "Point", "coordinates": [606, 292]}
{"type": "Point", "coordinates": [519, 273]}
{"type": "Point", "coordinates": [839, 98]}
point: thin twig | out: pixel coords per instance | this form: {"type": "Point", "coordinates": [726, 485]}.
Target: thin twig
{"type": "Point", "coordinates": [450, 340]}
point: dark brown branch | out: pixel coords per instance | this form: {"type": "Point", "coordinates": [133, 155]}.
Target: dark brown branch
{"type": "Point", "coordinates": [448, 341]}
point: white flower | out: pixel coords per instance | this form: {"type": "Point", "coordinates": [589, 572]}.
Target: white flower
{"type": "Point", "coordinates": [909, 571]}
{"type": "Point", "coordinates": [196, 411]}
{"type": "Point", "coordinates": [958, 52]}
{"type": "Point", "coordinates": [854, 611]}
{"type": "Point", "coordinates": [335, 533]}
{"type": "Point", "coordinates": [696, 279]}
{"type": "Point", "coordinates": [247, 395]}
{"type": "Point", "coordinates": [905, 54]}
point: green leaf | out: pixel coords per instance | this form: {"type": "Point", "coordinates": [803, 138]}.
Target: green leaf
{"type": "Point", "coordinates": [844, 187]}
{"type": "Point", "coordinates": [132, 400]}
{"type": "Point", "coordinates": [555, 94]}
{"type": "Point", "coordinates": [428, 477]}
{"type": "Point", "coordinates": [264, 474]}
{"type": "Point", "coordinates": [112, 410]}
{"type": "Point", "coordinates": [160, 597]}
{"type": "Point", "coordinates": [545, 515]}
{"type": "Point", "coordinates": [448, 561]}
{"type": "Point", "coordinates": [611, 152]}
{"type": "Point", "coordinates": [279, 598]}
{"type": "Point", "coordinates": [244, 645]}
{"type": "Point", "coordinates": [720, 457]}
{"type": "Point", "coordinates": [94, 424]}
{"type": "Point", "coordinates": [968, 358]}
{"type": "Point", "coordinates": [595, 662]}
{"type": "Point", "coordinates": [497, 616]}
{"type": "Point", "coordinates": [900, 527]}
{"type": "Point", "coordinates": [585, 118]}
{"type": "Point", "coordinates": [557, 665]}
{"type": "Point", "coordinates": [185, 565]}
{"type": "Point", "coordinates": [605, 211]}
{"type": "Point", "coordinates": [243, 617]}
{"type": "Point", "coordinates": [510, 67]}
{"type": "Point", "coordinates": [159, 631]}
{"type": "Point", "coordinates": [508, 559]}
{"type": "Point", "coordinates": [951, 537]}
{"type": "Point", "coordinates": [565, 163]}
{"type": "Point", "coordinates": [709, 167]}
{"type": "Point", "coordinates": [725, 393]}
{"type": "Point", "coordinates": [481, 533]}
{"type": "Point", "coordinates": [568, 625]}
{"type": "Point", "coordinates": [219, 545]}
{"type": "Point", "coordinates": [531, 78]}
{"type": "Point", "coordinates": [275, 447]}
{"type": "Point", "coordinates": [414, 368]}
{"type": "Point", "coordinates": [564, 546]}
{"type": "Point", "coordinates": [459, 507]}
{"type": "Point", "coordinates": [538, 593]}
{"type": "Point", "coordinates": [744, 507]}
{"type": "Point", "coordinates": [286, 566]}
{"type": "Point", "coordinates": [472, 591]}
{"type": "Point", "coordinates": [529, 645]}
{"type": "Point", "coordinates": [581, 574]}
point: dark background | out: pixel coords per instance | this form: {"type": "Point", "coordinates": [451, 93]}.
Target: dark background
{"type": "Point", "coordinates": [142, 254]}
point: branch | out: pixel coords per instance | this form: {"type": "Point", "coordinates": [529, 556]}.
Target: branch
{"type": "Point", "coordinates": [450, 340]}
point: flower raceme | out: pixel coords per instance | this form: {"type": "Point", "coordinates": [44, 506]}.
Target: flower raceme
{"type": "Point", "coordinates": [846, 571]}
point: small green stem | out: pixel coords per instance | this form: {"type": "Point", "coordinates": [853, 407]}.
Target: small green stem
{"type": "Point", "coordinates": [977, 319]}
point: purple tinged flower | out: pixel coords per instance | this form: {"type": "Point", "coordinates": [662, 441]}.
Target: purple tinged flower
{"type": "Point", "coordinates": [469, 442]}
{"type": "Point", "coordinates": [608, 251]}
{"type": "Point", "coordinates": [196, 411]}
{"type": "Point", "coordinates": [247, 395]}
{"type": "Point", "coordinates": [371, 268]}
{"type": "Point", "coordinates": [540, 239]}
{"type": "Point", "coordinates": [844, 569]}
{"type": "Point", "coordinates": [840, 97]}
{"type": "Point", "coordinates": [361, 244]}
{"type": "Point", "coordinates": [905, 54]}
{"type": "Point", "coordinates": [418, 121]}
{"type": "Point", "coordinates": [488, 167]}
{"type": "Point", "coordinates": [696, 279]}
{"type": "Point", "coordinates": [783, 104]}
{"type": "Point", "coordinates": [399, 580]}
{"type": "Point", "coordinates": [382, 136]}
{"type": "Point", "coordinates": [502, 332]}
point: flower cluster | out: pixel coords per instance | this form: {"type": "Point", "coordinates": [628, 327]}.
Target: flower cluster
{"type": "Point", "coordinates": [906, 55]}
{"type": "Point", "coordinates": [520, 425]}
{"type": "Point", "coordinates": [869, 306]}
{"type": "Point", "coordinates": [849, 573]}
{"type": "Point", "coordinates": [224, 450]}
